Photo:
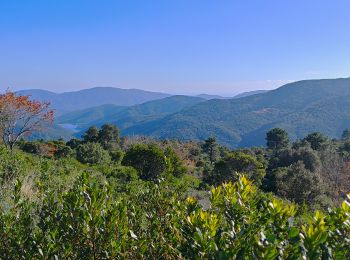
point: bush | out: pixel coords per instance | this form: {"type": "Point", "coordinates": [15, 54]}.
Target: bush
{"type": "Point", "coordinates": [316, 140]}
{"type": "Point", "coordinates": [117, 155]}
{"type": "Point", "coordinates": [148, 160]}
{"type": "Point", "coordinates": [287, 157]}
{"type": "Point", "coordinates": [296, 183]}
{"type": "Point", "coordinates": [227, 169]}
{"type": "Point", "coordinates": [39, 148]}
{"type": "Point", "coordinates": [92, 153]}
{"type": "Point", "coordinates": [63, 151]}
{"type": "Point", "coordinates": [175, 165]}
{"type": "Point", "coordinates": [12, 164]}
{"type": "Point", "coordinates": [240, 222]}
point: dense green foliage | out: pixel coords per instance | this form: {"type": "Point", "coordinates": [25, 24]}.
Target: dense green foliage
{"type": "Point", "coordinates": [92, 153]}
{"type": "Point", "coordinates": [140, 198]}
{"type": "Point", "coordinates": [233, 163]}
{"type": "Point", "coordinates": [88, 222]}
{"type": "Point", "coordinates": [316, 140]}
{"type": "Point", "coordinates": [297, 183]}
{"type": "Point", "coordinates": [148, 160]}
{"type": "Point", "coordinates": [277, 139]}
{"type": "Point", "coordinates": [210, 147]}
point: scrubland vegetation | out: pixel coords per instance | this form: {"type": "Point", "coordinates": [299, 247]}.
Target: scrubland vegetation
{"type": "Point", "coordinates": [106, 196]}
{"type": "Point", "coordinates": [110, 197]}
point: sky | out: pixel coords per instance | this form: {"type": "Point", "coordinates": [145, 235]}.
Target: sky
{"type": "Point", "coordinates": [175, 46]}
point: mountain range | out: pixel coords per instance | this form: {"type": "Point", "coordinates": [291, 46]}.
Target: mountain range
{"type": "Point", "coordinates": [125, 117]}
{"type": "Point", "coordinates": [86, 98]}
{"type": "Point", "coordinates": [300, 108]}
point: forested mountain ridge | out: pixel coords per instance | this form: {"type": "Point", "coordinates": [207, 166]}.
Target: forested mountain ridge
{"type": "Point", "coordinates": [72, 101]}
{"type": "Point", "coordinates": [300, 107]}
{"type": "Point", "coordinates": [128, 116]}
{"type": "Point", "coordinates": [88, 115]}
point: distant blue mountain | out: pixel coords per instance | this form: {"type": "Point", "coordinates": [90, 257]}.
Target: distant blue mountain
{"type": "Point", "coordinates": [77, 100]}
{"type": "Point", "coordinates": [250, 93]}
{"type": "Point", "coordinates": [208, 96]}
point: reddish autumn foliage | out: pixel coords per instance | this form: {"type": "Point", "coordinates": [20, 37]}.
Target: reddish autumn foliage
{"type": "Point", "coordinates": [20, 116]}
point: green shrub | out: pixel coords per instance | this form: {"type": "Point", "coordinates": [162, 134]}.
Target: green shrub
{"type": "Point", "coordinates": [156, 222]}
{"type": "Point", "coordinates": [148, 160]}
{"type": "Point", "coordinates": [226, 169]}
{"type": "Point", "coordinates": [117, 155]}
{"type": "Point", "coordinates": [12, 164]}
{"type": "Point", "coordinates": [297, 183]}
{"type": "Point", "coordinates": [92, 153]}
{"type": "Point", "coordinates": [174, 163]}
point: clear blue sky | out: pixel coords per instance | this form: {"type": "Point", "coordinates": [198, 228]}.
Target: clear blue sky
{"type": "Point", "coordinates": [177, 46]}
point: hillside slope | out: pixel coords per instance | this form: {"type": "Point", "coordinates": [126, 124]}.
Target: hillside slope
{"type": "Point", "coordinates": [126, 117]}
{"type": "Point", "coordinates": [300, 107]}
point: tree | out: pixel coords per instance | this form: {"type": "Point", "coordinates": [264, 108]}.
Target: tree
{"type": "Point", "coordinates": [286, 157]}
{"type": "Point", "coordinates": [108, 136]}
{"type": "Point", "coordinates": [92, 153]}
{"type": "Point", "coordinates": [116, 155]}
{"type": "Point", "coordinates": [74, 143]}
{"type": "Point", "coordinates": [175, 164]}
{"type": "Point", "coordinates": [148, 160]}
{"type": "Point", "coordinates": [316, 140]}
{"type": "Point", "coordinates": [277, 139]}
{"type": "Point", "coordinates": [210, 147]}
{"type": "Point", "coordinates": [20, 116]}
{"type": "Point", "coordinates": [345, 148]}
{"type": "Point", "coordinates": [62, 150]}
{"type": "Point", "coordinates": [297, 184]}
{"type": "Point", "coordinates": [91, 135]}
{"type": "Point", "coordinates": [346, 135]}
{"type": "Point", "coordinates": [335, 169]}
{"type": "Point", "coordinates": [226, 169]}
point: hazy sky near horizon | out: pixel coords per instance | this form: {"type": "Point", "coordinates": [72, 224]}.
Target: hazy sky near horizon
{"type": "Point", "coordinates": [182, 46]}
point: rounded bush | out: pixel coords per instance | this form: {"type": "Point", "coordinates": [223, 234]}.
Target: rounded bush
{"type": "Point", "coordinates": [92, 153]}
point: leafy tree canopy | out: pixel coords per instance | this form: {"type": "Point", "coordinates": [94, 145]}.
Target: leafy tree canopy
{"type": "Point", "coordinates": [316, 140]}
{"type": "Point", "coordinates": [227, 168]}
{"type": "Point", "coordinates": [147, 159]}
{"type": "Point", "coordinates": [276, 139]}
{"type": "Point", "coordinates": [92, 153]}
